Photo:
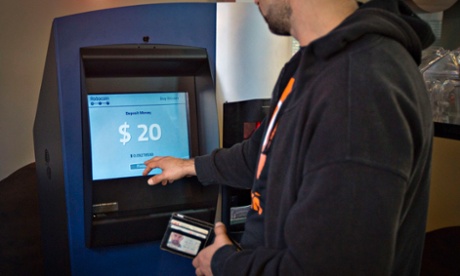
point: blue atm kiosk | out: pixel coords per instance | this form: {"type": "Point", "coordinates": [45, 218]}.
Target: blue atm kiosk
{"type": "Point", "coordinates": [119, 87]}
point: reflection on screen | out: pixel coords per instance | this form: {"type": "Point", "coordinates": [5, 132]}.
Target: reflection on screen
{"type": "Point", "coordinates": [128, 129]}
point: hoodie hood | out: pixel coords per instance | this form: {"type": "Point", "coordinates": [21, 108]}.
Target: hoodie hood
{"type": "Point", "coordinates": [390, 18]}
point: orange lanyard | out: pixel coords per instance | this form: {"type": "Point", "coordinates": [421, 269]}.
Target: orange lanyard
{"type": "Point", "coordinates": [272, 126]}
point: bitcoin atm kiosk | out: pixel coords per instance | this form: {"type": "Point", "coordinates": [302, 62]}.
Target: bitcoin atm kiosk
{"type": "Point", "coordinates": [119, 87]}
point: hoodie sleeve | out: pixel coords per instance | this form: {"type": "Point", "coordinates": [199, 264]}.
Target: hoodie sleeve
{"type": "Point", "coordinates": [339, 238]}
{"type": "Point", "coordinates": [234, 166]}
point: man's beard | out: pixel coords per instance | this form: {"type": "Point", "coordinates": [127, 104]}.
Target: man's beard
{"type": "Point", "coordinates": [278, 18]}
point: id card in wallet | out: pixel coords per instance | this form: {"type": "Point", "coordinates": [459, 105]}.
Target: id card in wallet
{"type": "Point", "coordinates": [186, 236]}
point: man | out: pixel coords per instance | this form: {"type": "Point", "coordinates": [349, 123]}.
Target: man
{"type": "Point", "coordinates": [340, 168]}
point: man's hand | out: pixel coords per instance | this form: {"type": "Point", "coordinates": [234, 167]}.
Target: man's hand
{"type": "Point", "coordinates": [202, 262]}
{"type": "Point", "coordinates": [172, 169]}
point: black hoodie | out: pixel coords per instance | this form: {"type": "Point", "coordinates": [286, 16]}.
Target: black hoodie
{"type": "Point", "coordinates": [344, 189]}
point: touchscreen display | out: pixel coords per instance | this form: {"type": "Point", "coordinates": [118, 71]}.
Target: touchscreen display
{"type": "Point", "coordinates": [128, 129]}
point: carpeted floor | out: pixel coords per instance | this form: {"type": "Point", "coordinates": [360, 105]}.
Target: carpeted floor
{"type": "Point", "coordinates": [20, 246]}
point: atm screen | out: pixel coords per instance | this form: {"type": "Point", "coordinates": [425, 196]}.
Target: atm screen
{"type": "Point", "coordinates": [126, 129]}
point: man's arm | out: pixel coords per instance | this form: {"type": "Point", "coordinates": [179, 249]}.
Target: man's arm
{"type": "Point", "coordinates": [233, 166]}
{"type": "Point", "coordinates": [345, 228]}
